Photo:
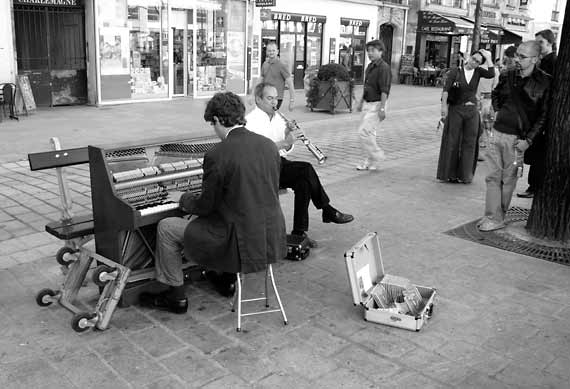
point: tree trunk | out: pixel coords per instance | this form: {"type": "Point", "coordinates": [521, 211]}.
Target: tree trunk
{"type": "Point", "coordinates": [477, 27]}
{"type": "Point", "coordinates": [550, 213]}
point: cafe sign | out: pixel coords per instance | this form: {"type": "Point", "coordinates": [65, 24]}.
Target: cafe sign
{"type": "Point", "coordinates": [433, 23]}
{"type": "Point", "coordinates": [64, 3]}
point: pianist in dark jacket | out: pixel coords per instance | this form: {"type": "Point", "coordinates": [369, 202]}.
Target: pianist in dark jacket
{"type": "Point", "coordinates": [238, 225]}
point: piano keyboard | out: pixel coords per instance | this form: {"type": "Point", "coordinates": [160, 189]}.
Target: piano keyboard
{"type": "Point", "coordinates": [158, 208]}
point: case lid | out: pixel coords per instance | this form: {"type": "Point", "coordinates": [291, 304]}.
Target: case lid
{"type": "Point", "coordinates": [364, 266]}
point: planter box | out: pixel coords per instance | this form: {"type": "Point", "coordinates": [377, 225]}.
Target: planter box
{"type": "Point", "coordinates": [333, 95]}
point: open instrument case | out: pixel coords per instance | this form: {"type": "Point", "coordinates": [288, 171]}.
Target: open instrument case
{"type": "Point", "coordinates": [366, 272]}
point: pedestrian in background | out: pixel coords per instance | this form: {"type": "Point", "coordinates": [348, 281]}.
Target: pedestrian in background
{"type": "Point", "coordinates": [536, 154]}
{"type": "Point", "coordinates": [274, 72]}
{"type": "Point", "coordinates": [458, 151]}
{"type": "Point", "coordinates": [486, 85]}
{"type": "Point", "coordinates": [520, 101]}
{"type": "Point", "coordinates": [377, 83]}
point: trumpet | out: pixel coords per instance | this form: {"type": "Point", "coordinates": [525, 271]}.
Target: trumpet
{"type": "Point", "coordinates": [317, 153]}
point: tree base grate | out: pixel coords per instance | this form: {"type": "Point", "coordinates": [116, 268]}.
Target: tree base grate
{"type": "Point", "coordinates": [508, 239]}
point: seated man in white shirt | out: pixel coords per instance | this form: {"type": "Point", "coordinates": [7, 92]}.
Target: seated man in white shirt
{"type": "Point", "coordinates": [297, 175]}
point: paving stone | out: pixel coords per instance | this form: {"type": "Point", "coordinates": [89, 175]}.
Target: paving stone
{"type": "Point", "coordinates": [167, 382]}
{"type": "Point", "coordinates": [527, 377]}
{"type": "Point", "coordinates": [344, 378]}
{"type": "Point", "coordinates": [193, 368]}
{"type": "Point", "coordinates": [32, 373]}
{"type": "Point", "coordinates": [7, 262]}
{"type": "Point", "coordinates": [228, 381]}
{"type": "Point", "coordinates": [157, 341]}
{"type": "Point", "coordinates": [384, 341]}
{"type": "Point", "coordinates": [129, 362]}
{"type": "Point", "coordinates": [204, 337]}
{"type": "Point", "coordinates": [87, 370]}
{"type": "Point", "coordinates": [322, 341]}
{"type": "Point", "coordinates": [301, 359]}
{"type": "Point", "coordinates": [245, 364]}
{"type": "Point", "coordinates": [284, 380]}
{"type": "Point", "coordinates": [375, 367]}
{"type": "Point", "coordinates": [477, 380]}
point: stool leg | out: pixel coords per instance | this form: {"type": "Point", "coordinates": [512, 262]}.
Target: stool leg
{"type": "Point", "coordinates": [238, 293]}
{"type": "Point", "coordinates": [270, 269]}
{"type": "Point", "coordinates": [266, 287]}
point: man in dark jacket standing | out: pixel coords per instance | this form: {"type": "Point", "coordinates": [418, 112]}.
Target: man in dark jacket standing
{"type": "Point", "coordinates": [520, 102]}
{"type": "Point", "coordinates": [239, 225]}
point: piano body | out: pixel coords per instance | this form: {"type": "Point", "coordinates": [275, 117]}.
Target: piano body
{"type": "Point", "coordinates": [133, 187]}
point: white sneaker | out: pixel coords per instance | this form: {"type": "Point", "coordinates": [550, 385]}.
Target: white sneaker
{"type": "Point", "coordinates": [366, 166]}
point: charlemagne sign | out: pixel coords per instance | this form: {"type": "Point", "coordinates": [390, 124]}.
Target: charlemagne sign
{"type": "Point", "coordinates": [67, 3]}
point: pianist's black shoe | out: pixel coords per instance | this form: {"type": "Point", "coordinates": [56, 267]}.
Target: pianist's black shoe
{"type": "Point", "coordinates": [224, 283]}
{"type": "Point", "coordinates": [163, 301]}
{"type": "Point", "coordinates": [331, 215]}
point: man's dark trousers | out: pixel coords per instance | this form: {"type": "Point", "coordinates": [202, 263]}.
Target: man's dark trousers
{"type": "Point", "coordinates": [302, 178]}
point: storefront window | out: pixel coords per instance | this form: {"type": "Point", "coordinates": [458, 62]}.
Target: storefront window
{"type": "Point", "coordinates": [220, 38]}
{"type": "Point", "coordinates": [352, 46]}
{"type": "Point", "coordinates": [436, 53]}
{"type": "Point", "coordinates": [133, 49]}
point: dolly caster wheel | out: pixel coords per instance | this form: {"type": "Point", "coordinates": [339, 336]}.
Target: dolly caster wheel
{"type": "Point", "coordinates": [238, 329]}
{"type": "Point", "coordinates": [285, 322]}
{"type": "Point", "coordinates": [61, 254]}
{"type": "Point", "coordinates": [44, 297]}
{"type": "Point", "coordinates": [102, 275]}
{"type": "Point", "coordinates": [83, 321]}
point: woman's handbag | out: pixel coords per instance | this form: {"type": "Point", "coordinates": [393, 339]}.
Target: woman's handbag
{"type": "Point", "coordinates": [454, 92]}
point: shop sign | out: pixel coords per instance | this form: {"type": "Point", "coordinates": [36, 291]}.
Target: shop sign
{"type": "Point", "coordinates": [354, 22]}
{"type": "Point", "coordinates": [432, 22]}
{"type": "Point", "coordinates": [265, 3]}
{"type": "Point", "coordinates": [298, 17]}
{"type": "Point", "coordinates": [65, 3]}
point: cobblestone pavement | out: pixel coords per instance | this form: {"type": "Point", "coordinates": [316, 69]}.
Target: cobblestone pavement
{"type": "Point", "coordinates": [501, 319]}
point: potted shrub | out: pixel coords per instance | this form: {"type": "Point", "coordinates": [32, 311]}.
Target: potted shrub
{"type": "Point", "coordinates": [332, 89]}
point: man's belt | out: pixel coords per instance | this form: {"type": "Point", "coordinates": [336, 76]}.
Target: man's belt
{"type": "Point", "coordinates": [485, 95]}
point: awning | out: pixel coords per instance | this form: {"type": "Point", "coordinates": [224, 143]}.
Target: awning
{"type": "Point", "coordinates": [495, 34]}
{"type": "Point", "coordinates": [435, 23]}
{"type": "Point", "coordinates": [509, 38]}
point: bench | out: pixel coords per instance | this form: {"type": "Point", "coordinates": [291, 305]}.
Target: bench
{"type": "Point", "coordinates": [74, 230]}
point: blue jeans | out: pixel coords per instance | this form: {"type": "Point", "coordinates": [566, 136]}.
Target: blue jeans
{"type": "Point", "coordinates": [502, 177]}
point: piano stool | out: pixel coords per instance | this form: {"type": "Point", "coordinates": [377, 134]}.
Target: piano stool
{"type": "Point", "coordinates": [238, 298]}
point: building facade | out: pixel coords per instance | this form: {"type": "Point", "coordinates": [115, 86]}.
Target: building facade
{"type": "Point", "coordinates": [310, 34]}
{"type": "Point", "coordinates": [120, 51]}
{"type": "Point", "coordinates": [547, 15]}
{"type": "Point", "coordinates": [441, 29]}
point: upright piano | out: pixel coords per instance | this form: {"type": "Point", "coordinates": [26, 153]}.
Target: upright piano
{"type": "Point", "coordinates": [133, 187]}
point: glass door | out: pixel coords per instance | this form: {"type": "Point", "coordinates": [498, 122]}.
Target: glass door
{"type": "Point", "coordinates": [182, 58]}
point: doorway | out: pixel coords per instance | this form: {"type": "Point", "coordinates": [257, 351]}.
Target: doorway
{"type": "Point", "coordinates": [50, 45]}
{"type": "Point", "coordinates": [386, 36]}
{"type": "Point", "coordinates": [182, 52]}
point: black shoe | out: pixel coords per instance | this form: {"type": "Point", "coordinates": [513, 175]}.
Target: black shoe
{"type": "Point", "coordinates": [164, 302]}
{"type": "Point", "coordinates": [224, 283]}
{"type": "Point", "coordinates": [337, 217]}
{"type": "Point", "coordinates": [312, 243]}
{"type": "Point", "coordinates": [526, 194]}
